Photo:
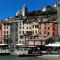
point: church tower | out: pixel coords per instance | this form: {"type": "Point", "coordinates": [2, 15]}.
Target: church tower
{"type": "Point", "coordinates": [25, 10]}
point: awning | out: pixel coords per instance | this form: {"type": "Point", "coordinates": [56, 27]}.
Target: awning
{"type": "Point", "coordinates": [19, 44]}
{"type": "Point", "coordinates": [3, 44]}
{"type": "Point", "coordinates": [53, 45]}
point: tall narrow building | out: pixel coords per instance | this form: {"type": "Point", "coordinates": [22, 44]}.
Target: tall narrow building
{"type": "Point", "coordinates": [58, 16]}
{"type": "Point", "coordinates": [14, 30]}
{"type": "Point", "coordinates": [25, 10]}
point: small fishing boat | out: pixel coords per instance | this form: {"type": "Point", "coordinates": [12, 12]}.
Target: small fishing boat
{"type": "Point", "coordinates": [53, 48]}
{"type": "Point", "coordinates": [4, 49]}
{"type": "Point", "coordinates": [19, 49]}
{"type": "Point", "coordinates": [52, 51]}
{"type": "Point", "coordinates": [23, 50]}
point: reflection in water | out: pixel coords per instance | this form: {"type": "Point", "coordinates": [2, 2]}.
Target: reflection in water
{"type": "Point", "coordinates": [27, 58]}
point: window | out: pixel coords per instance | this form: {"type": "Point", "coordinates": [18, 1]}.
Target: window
{"type": "Point", "coordinates": [44, 32]}
{"type": "Point", "coordinates": [53, 34]}
{"type": "Point", "coordinates": [7, 32]}
{"type": "Point", "coordinates": [7, 27]}
{"type": "Point", "coordinates": [27, 23]}
{"type": "Point", "coordinates": [48, 23]}
{"type": "Point", "coordinates": [23, 32]}
{"type": "Point", "coordinates": [39, 23]}
{"type": "Point", "coordinates": [7, 23]}
{"type": "Point", "coordinates": [44, 36]}
{"type": "Point", "coordinates": [20, 27]}
{"type": "Point", "coordinates": [21, 37]}
{"type": "Point", "coordinates": [30, 27]}
{"type": "Point", "coordinates": [40, 27]}
{"type": "Point", "coordinates": [20, 41]}
{"type": "Point", "coordinates": [48, 27]}
{"type": "Point", "coordinates": [4, 37]}
{"type": "Point", "coordinates": [53, 28]}
{"type": "Point", "coordinates": [20, 32]}
{"type": "Point", "coordinates": [4, 32]}
{"type": "Point", "coordinates": [28, 37]}
{"type": "Point", "coordinates": [16, 29]}
{"type": "Point", "coordinates": [4, 27]}
{"type": "Point", "coordinates": [27, 27]}
{"type": "Point", "coordinates": [7, 36]}
{"type": "Point", "coordinates": [28, 32]}
{"type": "Point", "coordinates": [23, 42]}
{"type": "Point", "coordinates": [41, 36]}
{"type": "Point", "coordinates": [34, 37]}
{"type": "Point", "coordinates": [33, 26]}
{"type": "Point", "coordinates": [20, 23]}
{"type": "Point", "coordinates": [36, 26]}
{"type": "Point", "coordinates": [33, 32]}
{"type": "Point", "coordinates": [44, 27]}
{"type": "Point", "coordinates": [15, 40]}
{"type": "Point", "coordinates": [36, 31]}
{"type": "Point", "coordinates": [48, 33]}
{"type": "Point", "coordinates": [0, 27]}
{"type": "Point", "coordinates": [23, 23]}
{"type": "Point", "coordinates": [44, 23]}
{"type": "Point", "coordinates": [4, 24]}
{"type": "Point", "coordinates": [40, 32]}
{"type": "Point", "coordinates": [23, 27]}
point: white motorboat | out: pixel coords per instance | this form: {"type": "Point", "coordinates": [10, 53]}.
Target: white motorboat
{"type": "Point", "coordinates": [4, 49]}
{"type": "Point", "coordinates": [23, 50]}
{"type": "Point", "coordinates": [19, 49]}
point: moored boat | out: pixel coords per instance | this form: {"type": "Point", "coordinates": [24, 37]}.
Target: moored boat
{"type": "Point", "coordinates": [23, 50]}
{"type": "Point", "coordinates": [4, 49]}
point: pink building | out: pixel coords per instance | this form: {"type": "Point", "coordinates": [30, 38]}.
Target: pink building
{"type": "Point", "coordinates": [0, 32]}
{"type": "Point", "coordinates": [46, 30]}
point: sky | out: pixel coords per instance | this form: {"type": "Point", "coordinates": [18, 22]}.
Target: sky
{"type": "Point", "coordinates": [9, 8]}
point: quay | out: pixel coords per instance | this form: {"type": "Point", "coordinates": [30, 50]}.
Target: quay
{"type": "Point", "coordinates": [29, 55]}
{"type": "Point", "coordinates": [4, 54]}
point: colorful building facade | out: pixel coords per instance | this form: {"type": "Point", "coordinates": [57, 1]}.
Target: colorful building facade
{"type": "Point", "coordinates": [1, 31]}
{"type": "Point", "coordinates": [46, 30]}
{"type": "Point", "coordinates": [6, 31]}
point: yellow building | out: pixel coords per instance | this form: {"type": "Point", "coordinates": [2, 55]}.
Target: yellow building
{"type": "Point", "coordinates": [27, 30]}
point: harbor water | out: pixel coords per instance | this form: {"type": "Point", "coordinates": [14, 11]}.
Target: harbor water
{"type": "Point", "coordinates": [28, 58]}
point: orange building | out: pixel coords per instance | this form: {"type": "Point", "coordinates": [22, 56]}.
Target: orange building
{"type": "Point", "coordinates": [1, 32]}
{"type": "Point", "coordinates": [55, 25]}
{"type": "Point", "coordinates": [48, 30]}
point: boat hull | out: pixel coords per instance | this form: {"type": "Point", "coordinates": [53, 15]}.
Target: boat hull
{"type": "Point", "coordinates": [3, 54]}
{"type": "Point", "coordinates": [29, 55]}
